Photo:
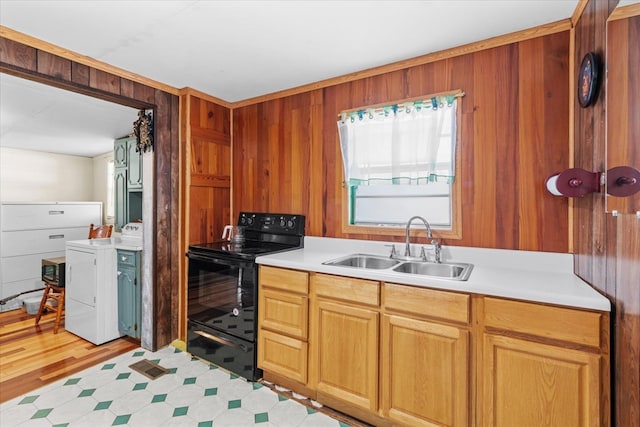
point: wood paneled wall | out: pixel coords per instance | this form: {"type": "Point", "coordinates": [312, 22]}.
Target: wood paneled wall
{"type": "Point", "coordinates": [607, 247]}
{"type": "Point", "coordinates": [33, 63]}
{"type": "Point", "coordinates": [206, 187]}
{"type": "Point", "coordinates": [209, 168]}
{"type": "Point", "coordinates": [623, 113]}
{"type": "Point", "coordinates": [514, 134]}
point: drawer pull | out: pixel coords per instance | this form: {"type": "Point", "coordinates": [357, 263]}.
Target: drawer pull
{"type": "Point", "coordinates": [56, 236]}
{"type": "Point", "coordinates": [56, 212]}
{"type": "Point", "coordinates": [221, 340]}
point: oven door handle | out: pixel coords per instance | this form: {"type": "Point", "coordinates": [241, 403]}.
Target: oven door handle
{"type": "Point", "coordinates": [219, 260]}
{"type": "Point", "coordinates": [221, 340]}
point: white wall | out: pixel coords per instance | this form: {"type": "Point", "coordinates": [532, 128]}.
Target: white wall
{"type": "Point", "coordinates": [34, 176]}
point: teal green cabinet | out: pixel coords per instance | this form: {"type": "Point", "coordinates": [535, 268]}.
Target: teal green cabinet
{"type": "Point", "coordinates": [134, 166]}
{"type": "Point", "coordinates": [120, 200]}
{"type": "Point", "coordinates": [129, 295]}
{"type": "Point", "coordinates": [127, 182]}
{"type": "Point", "coordinates": [120, 153]}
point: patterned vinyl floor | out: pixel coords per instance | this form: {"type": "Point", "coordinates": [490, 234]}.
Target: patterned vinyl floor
{"type": "Point", "coordinates": [191, 393]}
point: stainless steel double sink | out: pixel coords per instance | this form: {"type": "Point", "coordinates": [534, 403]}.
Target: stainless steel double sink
{"type": "Point", "coordinates": [451, 271]}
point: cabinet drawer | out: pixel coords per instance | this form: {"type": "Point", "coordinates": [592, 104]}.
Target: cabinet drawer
{"type": "Point", "coordinates": [426, 302]}
{"type": "Point", "coordinates": [284, 279]}
{"type": "Point", "coordinates": [24, 266]}
{"type": "Point", "coordinates": [566, 324]}
{"type": "Point", "coordinates": [347, 289]}
{"type": "Point", "coordinates": [54, 215]}
{"type": "Point", "coordinates": [283, 312]}
{"type": "Point", "coordinates": [39, 241]}
{"type": "Point", "coordinates": [8, 289]}
{"type": "Point", "coordinates": [126, 258]}
{"type": "Point", "coordinates": [282, 355]}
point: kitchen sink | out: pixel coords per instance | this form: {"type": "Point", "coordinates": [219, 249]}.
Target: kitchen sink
{"type": "Point", "coordinates": [451, 271]}
{"type": "Point", "coordinates": [364, 261]}
{"type": "Point", "coordinates": [456, 271]}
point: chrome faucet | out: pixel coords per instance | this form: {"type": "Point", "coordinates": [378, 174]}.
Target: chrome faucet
{"type": "Point", "coordinates": [437, 247]}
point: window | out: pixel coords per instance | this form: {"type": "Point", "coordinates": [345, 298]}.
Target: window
{"type": "Point", "coordinates": [399, 162]}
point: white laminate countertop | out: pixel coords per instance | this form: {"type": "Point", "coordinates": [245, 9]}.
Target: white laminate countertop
{"type": "Point", "coordinates": [543, 277]}
{"type": "Point", "coordinates": [117, 242]}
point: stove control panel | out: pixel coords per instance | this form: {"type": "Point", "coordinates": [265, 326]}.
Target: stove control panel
{"type": "Point", "coordinates": [273, 223]}
{"type": "Point", "coordinates": [132, 229]}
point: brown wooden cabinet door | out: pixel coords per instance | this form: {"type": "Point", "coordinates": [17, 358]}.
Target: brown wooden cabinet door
{"type": "Point", "coordinates": [283, 355]}
{"type": "Point", "coordinates": [347, 353]}
{"type": "Point", "coordinates": [424, 372]}
{"type": "Point", "coordinates": [526, 383]}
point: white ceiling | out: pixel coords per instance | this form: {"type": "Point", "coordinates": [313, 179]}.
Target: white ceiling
{"type": "Point", "coordinates": [38, 117]}
{"type": "Point", "coordinates": [234, 50]}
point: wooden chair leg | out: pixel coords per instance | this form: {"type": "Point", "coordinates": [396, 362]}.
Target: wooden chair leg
{"type": "Point", "coordinates": [59, 309]}
{"type": "Point", "coordinates": [45, 296]}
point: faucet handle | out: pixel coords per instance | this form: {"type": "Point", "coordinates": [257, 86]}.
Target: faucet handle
{"type": "Point", "coordinates": [423, 254]}
{"type": "Point", "coordinates": [393, 250]}
{"type": "Point", "coordinates": [437, 250]}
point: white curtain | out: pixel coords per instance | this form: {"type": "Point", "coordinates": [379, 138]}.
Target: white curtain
{"type": "Point", "coordinates": [411, 143]}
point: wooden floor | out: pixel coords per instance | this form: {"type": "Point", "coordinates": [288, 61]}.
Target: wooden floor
{"type": "Point", "coordinates": [32, 356]}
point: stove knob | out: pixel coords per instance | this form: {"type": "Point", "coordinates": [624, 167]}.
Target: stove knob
{"type": "Point", "coordinates": [243, 220]}
{"type": "Point", "coordinates": [282, 223]}
{"type": "Point", "coordinates": [291, 223]}
{"type": "Point", "coordinates": [250, 221]}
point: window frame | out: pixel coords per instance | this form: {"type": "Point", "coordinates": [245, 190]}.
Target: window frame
{"type": "Point", "coordinates": [110, 202]}
{"type": "Point", "coordinates": [456, 194]}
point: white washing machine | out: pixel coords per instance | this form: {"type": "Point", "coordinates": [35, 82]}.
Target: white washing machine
{"type": "Point", "coordinates": [91, 301]}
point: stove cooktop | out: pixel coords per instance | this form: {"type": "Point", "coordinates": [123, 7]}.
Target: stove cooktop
{"type": "Point", "coordinates": [265, 233]}
{"type": "Point", "coordinates": [248, 249]}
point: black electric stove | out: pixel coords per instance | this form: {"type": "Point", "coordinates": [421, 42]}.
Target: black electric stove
{"type": "Point", "coordinates": [223, 290]}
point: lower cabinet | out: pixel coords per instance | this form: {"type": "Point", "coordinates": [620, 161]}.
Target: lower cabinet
{"type": "Point", "coordinates": [129, 293]}
{"type": "Point", "coordinates": [554, 372]}
{"type": "Point", "coordinates": [345, 339]}
{"type": "Point", "coordinates": [283, 319]}
{"type": "Point", "coordinates": [347, 353]}
{"type": "Point", "coordinates": [425, 356]}
{"type": "Point", "coordinates": [393, 354]}
{"type": "Point", "coordinates": [534, 384]}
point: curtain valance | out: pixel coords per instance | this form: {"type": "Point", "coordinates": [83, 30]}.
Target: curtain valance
{"type": "Point", "coordinates": [412, 142]}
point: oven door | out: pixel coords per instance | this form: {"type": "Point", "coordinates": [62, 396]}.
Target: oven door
{"type": "Point", "coordinates": [222, 294]}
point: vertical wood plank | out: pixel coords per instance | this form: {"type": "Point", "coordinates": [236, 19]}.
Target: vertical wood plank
{"type": "Point", "coordinates": [531, 143]}
{"type": "Point", "coordinates": [18, 55]}
{"type": "Point", "coordinates": [80, 76]}
{"type": "Point", "coordinates": [623, 87]}
{"type": "Point", "coordinates": [316, 161]}
{"type": "Point", "coordinates": [627, 331]}
{"type": "Point", "coordinates": [511, 191]}
{"type": "Point", "coordinates": [484, 228]}
{"type": "Point", "coordinates": [556, 135]}
{"type": "Point", "coordinates": [102, 80]}
{"type": "Point", "coordinates": [53, 65]}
